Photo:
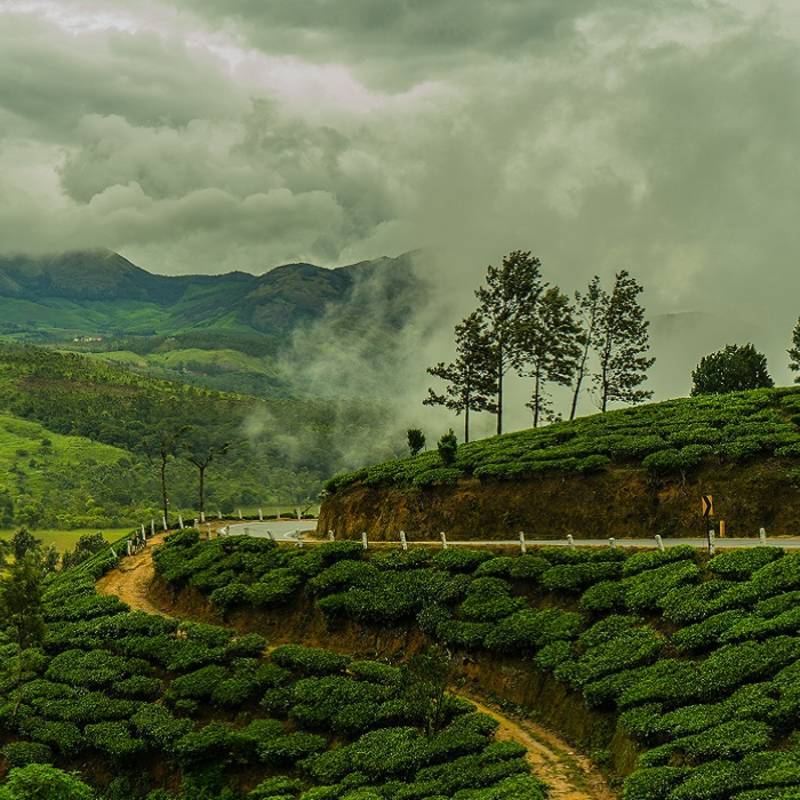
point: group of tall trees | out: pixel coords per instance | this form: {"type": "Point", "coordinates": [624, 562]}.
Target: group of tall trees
{"type": "Point", "coordinates": [524, 325]}
{"type": "Point", "coordinates": [200, 448]}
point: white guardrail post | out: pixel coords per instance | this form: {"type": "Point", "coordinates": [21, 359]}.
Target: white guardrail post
{"type": "Point", "coordinates": [659, 542]}
{"type": "Point", "coordinates": [403, 540]}
{"type": "Point", "coordinates": [364, 542]}
{"type": "Point", "coordinates": [612, 542]}
{"type": "Point", "coordinates": [331, 536]}
{"type": "Point", "coordinates": [443, 537]}
{"type": "Point", "coordinates": [762, 535]}
{"type": "Point", "coordinates": [570, 540]}
{"type": "Point", "coordinates": [523, 548]}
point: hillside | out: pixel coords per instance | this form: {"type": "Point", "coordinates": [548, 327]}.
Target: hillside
{"type": "Point", "coordinates": [141, 706]}
{"type": "Point", "coordinates": [678, 673]}
{"type": "Point", "coordinates": [230, 332]}
{"type": "Point", "coordinates": [75, 451]}
{"type": "Point", "coordinates": [636, 471]}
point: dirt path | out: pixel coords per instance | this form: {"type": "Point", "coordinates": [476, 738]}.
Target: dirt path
{"type": "Point", "coordinates": [569, 775]}
{"type": "Point", "coordinates": [131, 580]}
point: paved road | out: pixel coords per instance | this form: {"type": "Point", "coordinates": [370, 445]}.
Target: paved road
{"type": "Point", "coordinates": [284, 530]}
{"type": "Point", "coordinates": [789, 543]}
{"type": "Point", "coordinates": [295, 530]}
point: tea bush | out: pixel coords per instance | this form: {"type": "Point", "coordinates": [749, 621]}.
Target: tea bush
{"type": "Point", "coordinates": [696, 660]}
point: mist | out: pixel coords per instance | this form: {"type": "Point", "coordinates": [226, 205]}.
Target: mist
{"type": "Point", "coordinates": [202, 136]}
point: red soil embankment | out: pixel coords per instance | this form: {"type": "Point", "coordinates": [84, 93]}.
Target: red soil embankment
{"type": "Point", "coordinates": [619, 502]}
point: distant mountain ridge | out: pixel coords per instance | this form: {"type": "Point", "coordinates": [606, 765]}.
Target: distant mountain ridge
{"type": "Point", "coordinates": [46, 295]}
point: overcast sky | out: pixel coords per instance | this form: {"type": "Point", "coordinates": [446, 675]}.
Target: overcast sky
{"type": "Point", "coordinates": [209, 135]}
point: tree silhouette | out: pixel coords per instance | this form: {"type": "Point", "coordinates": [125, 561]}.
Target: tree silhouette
{"type": "Point", "coordinates": [471, 379]}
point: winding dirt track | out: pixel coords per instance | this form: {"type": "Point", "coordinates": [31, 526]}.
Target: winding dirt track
{"type": "Point", "coordinates": [568, 774]}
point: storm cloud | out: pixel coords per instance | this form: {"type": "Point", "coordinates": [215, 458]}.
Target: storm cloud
{"type": "Point", "coordinates": [208, 135]}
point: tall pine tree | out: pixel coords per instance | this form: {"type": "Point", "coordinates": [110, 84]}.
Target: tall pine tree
{"type": "Point", "coordinates": [471, 379]}
{"type": "Point", "coordinates": [588, 307]}
{"type": "Point", "coordinates": [621, 344]}
{"type": "Point", "coordinates": [548, 349]}
{"type": "Point", "coordinates": [507, 302]}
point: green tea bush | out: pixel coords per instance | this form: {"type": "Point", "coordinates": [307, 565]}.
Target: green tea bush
{"type": "Point", "coordinates": [741, 564]}
{"type": "Point", "coordinates": [20, 754]}
{"type": "Point", "coordinates": [576, 577]}
{"type": "Point", "coordinates": [309, 660]}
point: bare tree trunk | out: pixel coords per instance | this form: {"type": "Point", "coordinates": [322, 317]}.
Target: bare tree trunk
{"type": "Point", "coordinates": [500, 396]}
{"type": "Point", "coordinates": [578, 381]}
{"type": "Point", "coordinates": [164, 501]}
{"type": "Point", "coordinates": [536, 394]}
{"type": "Point", "coordinates": [466, 424]}
{"type": "Point", "coordinates": [202, 471]}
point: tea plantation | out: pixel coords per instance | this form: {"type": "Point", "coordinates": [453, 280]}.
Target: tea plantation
{"type": "Point", "coordinates": [665, 438]}
{"type": "Point", "coordinates": [119, 704]}
{"type": "Point", "coordinates": [697, 661]}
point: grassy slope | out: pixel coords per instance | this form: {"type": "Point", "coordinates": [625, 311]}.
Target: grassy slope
{"type": "Point", "coordinates": [666, 438]}
{"type": "Point", "coordinates": [94, 416]}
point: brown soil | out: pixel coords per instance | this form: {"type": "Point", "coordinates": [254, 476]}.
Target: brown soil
{"type": "Point", "coordinates": [621, 502]}
{"type": "Point", "coordinates": [131, 581]}
{"type": "Point", "coordinates": [570, 775]}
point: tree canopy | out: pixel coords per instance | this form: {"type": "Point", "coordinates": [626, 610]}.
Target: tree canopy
{"type": "Point", "coordinates": [732, 369]}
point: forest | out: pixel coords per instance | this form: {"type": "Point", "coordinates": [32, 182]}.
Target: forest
{"type": "Point", "coordinates": [82, 443]}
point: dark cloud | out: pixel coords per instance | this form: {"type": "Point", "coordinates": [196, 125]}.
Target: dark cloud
{"type": "Point", "coordinates": [200, 135]}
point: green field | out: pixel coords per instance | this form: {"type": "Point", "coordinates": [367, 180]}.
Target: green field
{"type": "Point", "coordinates": [65, 540]}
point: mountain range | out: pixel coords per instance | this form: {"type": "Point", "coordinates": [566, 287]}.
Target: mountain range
{"type": "Point", "coordinates": [231, 331]}
{"type": "Point", "coordinates": [101, 292]}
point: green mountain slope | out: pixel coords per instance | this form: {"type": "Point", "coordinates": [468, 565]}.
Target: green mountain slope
{"type": "Point", "coordinates": [73, 435]}
{"type": "Point", "coordinates": [99, 293]}
{"type": "Point", "coordinates": [98, 302]}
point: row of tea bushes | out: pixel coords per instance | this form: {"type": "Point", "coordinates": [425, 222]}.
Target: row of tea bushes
{"type": "Point", "coordinates": [153, 701]}
{"type": "Point", "coordinates": [698, 659]}
{"type": "Point", "coordinates": [670, 437]}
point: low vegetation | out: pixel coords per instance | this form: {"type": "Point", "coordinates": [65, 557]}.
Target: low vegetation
{"type": "Point", "coordinates": [669, 438]}
{"type": "Point", "coordinates": [697, 660]}
{"type": "Point", "coordinates": [141, 704]}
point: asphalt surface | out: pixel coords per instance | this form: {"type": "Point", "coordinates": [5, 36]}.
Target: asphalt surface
{"type": "Point", "coordinates": [284, 530]}
{"type": "Point", "coordinates": [297, 530]}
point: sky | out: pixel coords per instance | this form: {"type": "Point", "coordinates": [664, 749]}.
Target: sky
{"type": "Point", "coordinates": [211, 135]}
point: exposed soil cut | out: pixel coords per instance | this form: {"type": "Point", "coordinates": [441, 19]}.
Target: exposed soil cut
{"type": "Point", "coordinates": [622, 502]}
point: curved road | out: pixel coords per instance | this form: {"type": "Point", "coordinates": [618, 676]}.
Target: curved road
{"type": "Point", "coordinates": [283, 530]}
{"type": "Point", "coordinates": [568, 774]}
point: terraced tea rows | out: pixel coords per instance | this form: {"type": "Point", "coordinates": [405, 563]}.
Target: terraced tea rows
{"type": "Point", "coordinates": [141, 704]}
{"type": "Point", "coordinates": [699, 662]}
